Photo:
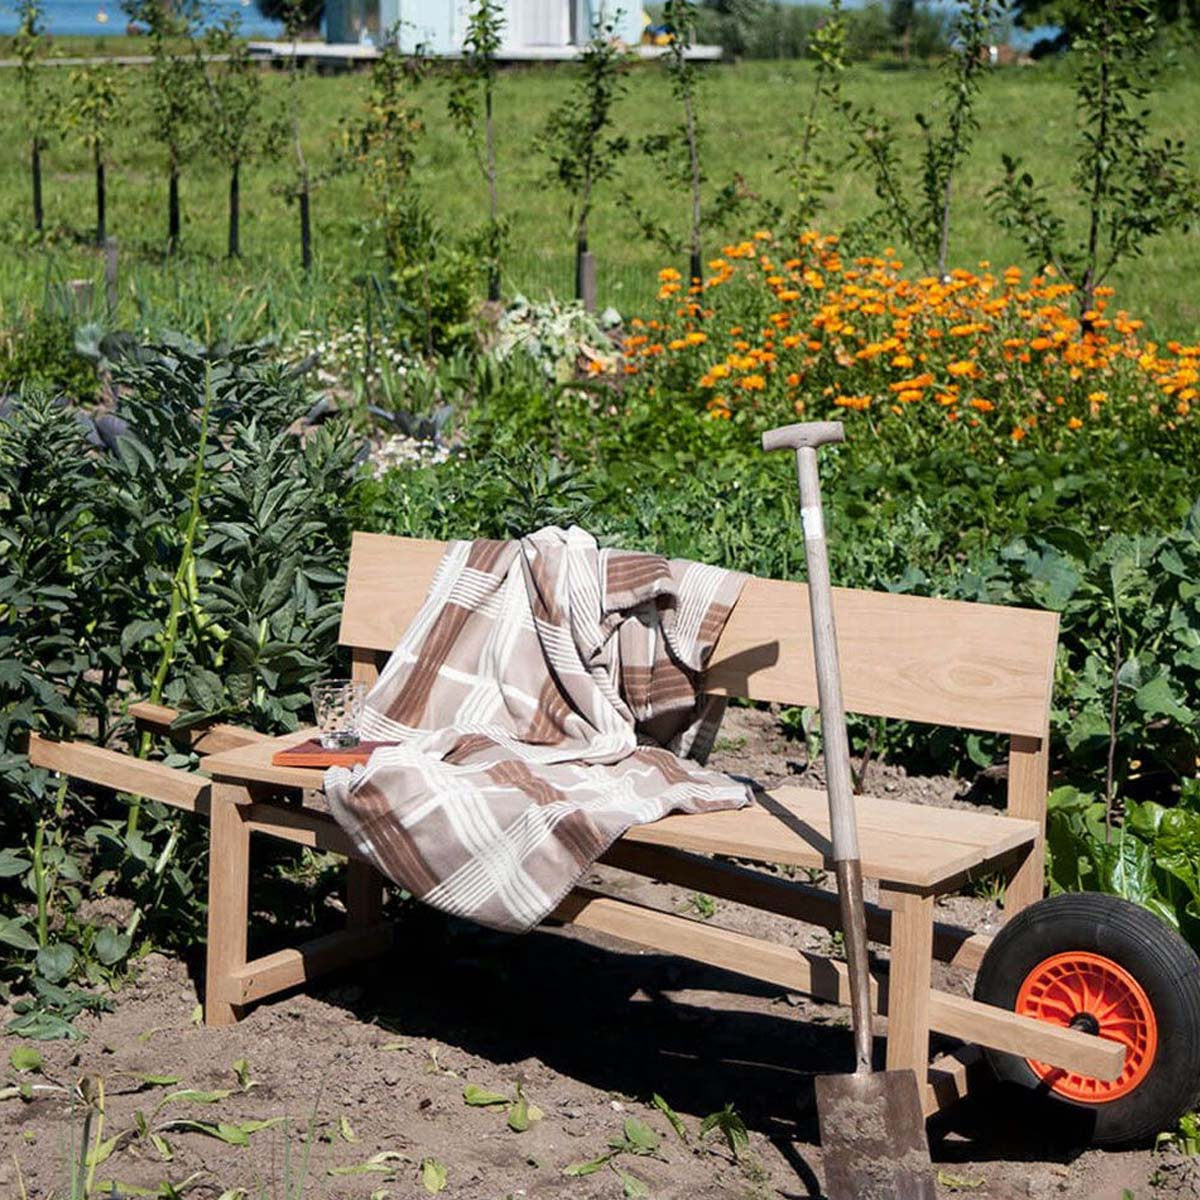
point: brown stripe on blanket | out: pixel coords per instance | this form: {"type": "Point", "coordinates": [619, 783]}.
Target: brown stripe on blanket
{"type": "Point", "coordinates": [394, 849]}
{"type": "Point", "coordinates": [633, 578]}
{"type": "Point", "coordinates": [408, 705]}
{"type": "Point", "coordinates": [540, 579]}
{"type": "Point", "coordinates": [578, 835]}
{"type": "Point", "coordinates": [711, 627]}
{"type": "Point", "coordinates": [469, 745]}
{"type": "Point", "coordinates": [548, 723]}
{"type": "Point", "coordinates": [669, 766]}
{"type": "Point", "coordinates": [516, 774]}
{"type": "Point", "coordinates": [485, 554]}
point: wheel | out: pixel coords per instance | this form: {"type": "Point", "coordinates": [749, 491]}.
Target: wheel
{"type": "Point", "coordinates": [1102, 964]}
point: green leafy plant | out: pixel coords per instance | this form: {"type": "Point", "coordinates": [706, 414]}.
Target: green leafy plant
{"type": "Point", "coordinates": [1152, 858]}
{"type": "Point", "coordinates": [190, 544]}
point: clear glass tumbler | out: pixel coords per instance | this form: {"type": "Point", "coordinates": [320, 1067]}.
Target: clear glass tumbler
{"type": "Point", "coordinates": [338, 705]}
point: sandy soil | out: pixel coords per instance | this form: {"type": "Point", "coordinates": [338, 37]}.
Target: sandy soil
{"type": "Point", "coordinates": [365, 1073]}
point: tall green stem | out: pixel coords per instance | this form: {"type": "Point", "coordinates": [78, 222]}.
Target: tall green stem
{"type": "Point", "coordinates": [183, 582]}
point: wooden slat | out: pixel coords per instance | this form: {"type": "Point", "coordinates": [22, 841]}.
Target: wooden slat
{"type": "Point", "coordinates": [386, 584]}
{"type": "Point", "coordinates": [122, 772]}
{"type": "Point", "coordinates": [1028, 785]}
{"type": "Point", "coordinates": [784, 966]}
{"type": "Point", "coordinates": [802, 902]}
{"type": "Point", "coordinates": [920, 846]}
{"type": "Point", "coordinates": [228, 902]}
{"type": "Point", "coordinates": [253, 762]}
{"type": "Point", "coordinates": [797, 971]}
{"type": "Point", "coordinates": [204, 739]}
{"type": "Point", "coordinates": [288, 968]}
{"type": "Point", "coordinates": [944, 662]}
{"type": "Point", "coordinates": [909, 975]}
{"type": "Point", "coordinates": [941, 662]}
{"type": "Point", "coordinates": [901, 843]}
{"type": "Point", "coordinates": [949, 1079]}
{"type": "Point", "coordinates": [302, 826]}
{"type": "Point", "coordinates": [998, 1029]}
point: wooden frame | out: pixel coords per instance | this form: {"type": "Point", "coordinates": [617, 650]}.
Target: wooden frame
{"type": "Point", "coordinates": [974, 666]}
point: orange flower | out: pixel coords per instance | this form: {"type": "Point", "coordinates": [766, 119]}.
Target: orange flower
{"type": "Point", "coordinates": [752, 383]}
{"type": "Point", "coordinates": [855, 402]}
{"type": "Point", "coordinates": [985, 406]}
{"type": "Point", "coordinates": [964, 366]}
{"type": "Point", "coordinates": [1018, 434]}
{"type": "Point", "coordinates": [1074, 423]}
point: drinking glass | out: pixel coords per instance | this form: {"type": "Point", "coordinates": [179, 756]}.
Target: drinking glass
{"type": "Point", "coordinates": [338, 705]}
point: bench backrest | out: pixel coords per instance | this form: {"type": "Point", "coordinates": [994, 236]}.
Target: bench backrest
{"type": "Point", "coordinates": [942, 662]}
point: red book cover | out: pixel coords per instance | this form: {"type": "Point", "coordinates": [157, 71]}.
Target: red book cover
{"type": "Point", "coordinates": [313, 754]}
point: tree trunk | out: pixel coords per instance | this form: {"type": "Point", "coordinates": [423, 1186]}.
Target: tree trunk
{"type": "Point", "coordinates": [235, 245]}
{"type": "Point", "coordinates": [101, 198]}
{"type": "Point", "coordinates": [305, 231]}
{"type": "Point", "coordinates": [581, 250]}
{"type": "Point", "coordinates": [35, 170]}
{"type": "Point", "coordinates": [697, 266]}
{"type": "Point", "coordinates": [173, 211]}
{"type": "Point", "coordinates": [493, 199]}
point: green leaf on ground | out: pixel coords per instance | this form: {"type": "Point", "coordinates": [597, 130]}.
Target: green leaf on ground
{"type": "Point", "coordinates": [478, 1097]}
{"type": "Point", "coordinates": [591, 1166]}
{"type": "Point", "coordinates": [433, 1176]}
{"type": "Point", "coordinates": [675, 1119]}
{"type": "Point", "coordinates": [25, 1058]}
{"type": "Point", "coordinates": [633, 1187]}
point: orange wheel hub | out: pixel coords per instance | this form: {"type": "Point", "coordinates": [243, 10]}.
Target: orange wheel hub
{"type": "Point", "coordinates": [1089, 992]}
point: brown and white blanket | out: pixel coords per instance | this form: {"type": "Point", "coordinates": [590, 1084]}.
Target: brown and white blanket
{"type": "Point", "coordinates": [539, 700]}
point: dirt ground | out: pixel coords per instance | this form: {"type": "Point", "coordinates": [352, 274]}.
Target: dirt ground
{"type": "Point", "coordinates": [361, 1079]}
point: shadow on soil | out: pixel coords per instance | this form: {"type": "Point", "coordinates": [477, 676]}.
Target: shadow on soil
{"type": "Point", "coordinates": [615, 1020]}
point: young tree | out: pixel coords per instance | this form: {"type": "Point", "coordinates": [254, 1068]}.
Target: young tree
{"type": "Point", "coordinates": [472, 93]}
{"type": "Point", "coordinates": [175, 89]}
{"type": "Point", "coordinates": [809, 168]}
{"type": "Point", "coordinates": [37, 101]}
{"type": "Point", "coordinates": [90, 112]}
{"type": "Point", "coordinates": [387, 140]}
{"type": "Point", "coordinates": [925, 222]}
{"type": "Point", "coordinates": [238, 126]}
{"type": "Point", "coordinates": [1131, 188]}
{"type": "Point", "coordinates": [583, 150]}
{"type": "Point", "coordinates": [304, 180]}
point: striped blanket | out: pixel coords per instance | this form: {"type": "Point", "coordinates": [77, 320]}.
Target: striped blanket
{"type": "Point", "coordinates": [539, 704]}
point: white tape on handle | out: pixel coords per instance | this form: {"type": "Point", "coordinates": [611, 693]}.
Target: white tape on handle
{"type": "Point", "coordinates": [814, 526]}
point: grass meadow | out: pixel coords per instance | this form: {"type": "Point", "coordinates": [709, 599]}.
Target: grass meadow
{"type": "Point", "coordinates": [751, 114]}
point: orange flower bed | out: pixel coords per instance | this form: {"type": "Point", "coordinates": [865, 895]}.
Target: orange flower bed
{"type": "Point", "coordinates": [796, 329]}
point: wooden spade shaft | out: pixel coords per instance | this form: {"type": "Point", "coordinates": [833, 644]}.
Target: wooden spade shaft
{"type": "Point", "coordinates": [847, 865]}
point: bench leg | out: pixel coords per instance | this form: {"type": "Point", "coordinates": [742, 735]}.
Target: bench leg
{"type": "Point", "coordinates": [1028, 784]}
{"type": "Point", "coordinates": [909, 980]}
{"type": "Point", "coordinates": [228, 900]}
{"type": "Point", "coordinates": [364, 894]}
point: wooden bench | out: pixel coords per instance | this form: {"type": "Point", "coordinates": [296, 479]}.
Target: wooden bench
{"type": "Point", "coordinates": [972, 666]}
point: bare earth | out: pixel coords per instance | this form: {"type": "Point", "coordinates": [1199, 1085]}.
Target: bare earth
{"type": "Point", "coordinates": [368, 1070]}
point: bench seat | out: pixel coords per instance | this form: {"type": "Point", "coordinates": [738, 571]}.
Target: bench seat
{"type": "Point", "coordinates": [911, 845]}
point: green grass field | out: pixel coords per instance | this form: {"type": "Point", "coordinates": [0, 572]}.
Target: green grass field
{"type": "Point", "coordinates": [751, 113]}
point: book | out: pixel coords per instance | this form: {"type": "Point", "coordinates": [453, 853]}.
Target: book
{"type": "Point", "coordinates": [312, 754]}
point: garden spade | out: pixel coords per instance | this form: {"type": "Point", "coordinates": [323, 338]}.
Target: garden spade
{"type": "Point", "coordinates": [872, 1125]}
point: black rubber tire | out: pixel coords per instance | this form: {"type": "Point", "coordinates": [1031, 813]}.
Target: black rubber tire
{"type": "Point", "coordinates": [1165, 966]}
